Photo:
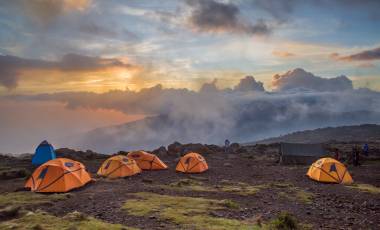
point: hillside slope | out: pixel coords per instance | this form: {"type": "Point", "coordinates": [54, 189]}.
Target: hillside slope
{"type": "Point", "coordinates": [365, 132]}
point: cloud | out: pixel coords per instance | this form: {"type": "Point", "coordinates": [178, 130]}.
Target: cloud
{"type": "Point", "coordinates": [283, 11]}
{"type": "Point", "coordinates": [280, 10]}
{"type": "Point", "coordinates": [366, 55]}
{"type": "Point", "coordinates": [213, 16]}
{"type": "Point", "coordinates": [45, 12]}
{"type": "Point", "coordinates": [249, 84]}
{"type": "Point", "coordinates": [212, 115]}
{"type": "Point", "coordinates": [300, 79]}
{"type": "Point", "coordinates": [283, 54]}
{"type": "Point", "coordinates": [12, 67]}
{"type": "Point", "coordinates": [95, 29]}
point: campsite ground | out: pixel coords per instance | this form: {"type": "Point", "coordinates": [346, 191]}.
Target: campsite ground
{"type": "Point", "coordinates": [240, 191]}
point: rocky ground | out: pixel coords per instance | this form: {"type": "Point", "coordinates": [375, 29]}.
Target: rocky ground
{"type": "Point", "coordinates": [243, 189]}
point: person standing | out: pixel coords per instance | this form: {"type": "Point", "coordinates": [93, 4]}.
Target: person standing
{"type": "Point", "coordinates": [226, 145]}
{"type": "Point", "coordinates": [365, 149]}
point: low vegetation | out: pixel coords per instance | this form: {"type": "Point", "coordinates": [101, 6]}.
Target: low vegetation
{"type": "Point", "coordinates": [291, 192]}
{"type": "Point", "coordinates": [29, 198]}
{"type": "Point", "coordinates": [225, 186]}
{"type": "Point", "coordinates": [239, 188]}
{"type": "Point", "coordinates": [284, 221]}
{"type": "Point", "coordinates": [42, 220]}
{"type": "Point", "coordinates": [189, 212]}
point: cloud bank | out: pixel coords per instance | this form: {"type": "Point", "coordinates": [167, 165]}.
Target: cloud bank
{"type": "Point", "coordinates": [243, 113]}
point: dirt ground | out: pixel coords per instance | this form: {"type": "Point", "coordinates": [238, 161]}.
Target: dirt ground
{"type": "Point", "coordinates": [279, 188]}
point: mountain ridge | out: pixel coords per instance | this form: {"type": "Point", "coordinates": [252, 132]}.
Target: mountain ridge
{"type": "Point", "coordinates": [360, 133]}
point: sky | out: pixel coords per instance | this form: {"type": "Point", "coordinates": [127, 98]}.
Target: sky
{"type": "Point", "coordinates": [68, 45]}
{"type": "Point", "coordinates": [66, 56]}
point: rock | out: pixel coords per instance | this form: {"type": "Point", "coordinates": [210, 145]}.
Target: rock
{"type": "Point", "coordinates": [161, 151]}
{"type": "Point", "coordinates": [13, 174]}
{"type": "Point", "coordinates": [227, 165]}
{"type": "Point", "coordinates": [178, 149]}
{"type": "Point", "coordinates": [79, 155]}
{"type": "Point", "coordinates": [175, 148]}
{"type": "Point", "coordinates": [198, 148]}
{"type": "Point", "coordinates": [215, 148]}
{"type": "Point", "coordinates": [145, 180]}
{"type": "Point", "coordinates": [9, 212]}
{"type": "Point", "coordinates": [216, 214]}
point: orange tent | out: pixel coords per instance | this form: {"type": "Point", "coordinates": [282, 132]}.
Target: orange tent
{"type": "Point", "coordinates": [329, 170]}
{"type": "Point", "coordinates": [192, 163]}
{"type": "Point", "coordinates": [147, 161]}
{"type": "Point", "coordinates": [58, 175]}
{"type": "Point", "coordinates": [118, 166]}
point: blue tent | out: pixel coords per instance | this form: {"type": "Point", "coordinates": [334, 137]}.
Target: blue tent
{"type": "Point", "coordinates": [44, 152]}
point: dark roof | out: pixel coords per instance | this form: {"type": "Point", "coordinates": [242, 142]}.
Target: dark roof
{"type": "Point", "coordinates": [296, 149]}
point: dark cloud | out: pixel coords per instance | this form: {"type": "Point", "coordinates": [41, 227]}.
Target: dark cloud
{"type": "Point", "coordinates": [249, 84]}
{"type": "Point", "coordinates": [213, 16]}
{"type": "Point", "coordinates": [11, 67]}
{"type": "Point", "coordinates": [300, 79]}
{"type": "Point", "coordinates": [367, 55]}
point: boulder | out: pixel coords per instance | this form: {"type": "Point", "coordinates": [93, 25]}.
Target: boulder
{"type": "Point", "coordinates": [175, 148]}
{"type": "Point", "coordinates": [161, 151]}
{"type": "Point", "coordinates": [197, 148]}
{"type": "Point", "coordinates": [79, 155]}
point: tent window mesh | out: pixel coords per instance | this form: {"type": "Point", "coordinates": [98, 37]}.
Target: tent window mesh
{"type": "Point", "coordinates": [107, 165]}
{"type": "Point", "coordinates": [43, 173]}
{"type": "Point", "coordinates": [69, 164]}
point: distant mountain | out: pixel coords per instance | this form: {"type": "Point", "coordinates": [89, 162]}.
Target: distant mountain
{"type": "Point", "coordinates": [365, 132]}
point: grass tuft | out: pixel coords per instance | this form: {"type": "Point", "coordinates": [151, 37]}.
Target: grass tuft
{"type": "Point", "coordinates": [284, 221]}
{"type": "Point", "coordinates": [231, 204]}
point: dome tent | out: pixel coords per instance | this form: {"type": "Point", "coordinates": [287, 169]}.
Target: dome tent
{"type": "Point", "coordinates": [329, 170]}
{"type": "Point", "coordinates": [44, 152]}
{"type": "Point", "coordinates": [192, 163]}
{"type": "Point", "coordinates": [118, 166]}
{"type": "Point", "coordinates": [58, 175]}
{"type": "Point", "coordinates": [147, 161]}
